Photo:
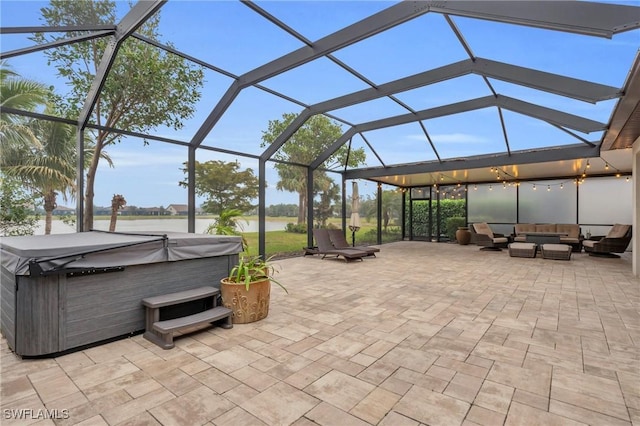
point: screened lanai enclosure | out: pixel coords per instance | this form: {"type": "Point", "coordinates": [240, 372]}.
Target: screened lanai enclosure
{"type": "Point", "coordinates": [526, 111]}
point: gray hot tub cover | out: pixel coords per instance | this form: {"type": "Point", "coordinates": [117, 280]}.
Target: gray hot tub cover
{"type": "Point", "coordinates": [97, 249]}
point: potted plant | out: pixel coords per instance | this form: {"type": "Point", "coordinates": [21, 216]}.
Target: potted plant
{"type": "Point", "coordinates": [247, 289]}
{"type": "Point", "coordinates": [456, 227]}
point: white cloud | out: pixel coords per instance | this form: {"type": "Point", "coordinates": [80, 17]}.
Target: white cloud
{"type": "Point", "coordinates": [449, 138]}
{"type": "Point", "coordinates": [143, 157]}
{"type": "Point", "coordinates": [457, 138]}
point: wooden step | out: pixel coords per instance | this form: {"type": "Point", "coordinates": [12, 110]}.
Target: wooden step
{"type": "Point", "coordinates": [180, 297]}
{"type": "Point", "coordinates": [210, 315]}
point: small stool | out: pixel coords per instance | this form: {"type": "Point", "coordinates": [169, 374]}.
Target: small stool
{"type": "Point", "coordinates": [556, 251]}
{"type": "Point", "coordinates": [522, 250]}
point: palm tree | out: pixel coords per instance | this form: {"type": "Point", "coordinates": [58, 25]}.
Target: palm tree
{"type": "Point", "coordinates": [19, 93]}
{"type": "Point", "coordinates": [48, 168]}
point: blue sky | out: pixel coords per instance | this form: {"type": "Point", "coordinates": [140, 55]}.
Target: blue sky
{"type": "Point", "coordinates": [229, 35]}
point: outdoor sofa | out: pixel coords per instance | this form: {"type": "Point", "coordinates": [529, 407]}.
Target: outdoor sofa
{"type": "Point", "coordinates": [573, 233]}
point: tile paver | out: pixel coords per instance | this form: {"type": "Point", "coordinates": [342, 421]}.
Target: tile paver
{"type": "Point", "coordinates": [468, 337]}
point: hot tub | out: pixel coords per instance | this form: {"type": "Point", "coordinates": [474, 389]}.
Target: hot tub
{"type": "Point", "coordinates": [60, 292]}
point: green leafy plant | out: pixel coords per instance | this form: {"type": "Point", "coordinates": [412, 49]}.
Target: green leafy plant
{"type": "Point", "coordinates": [227, 223]}
{"type": "Point", "coordinates": [453, 223]}
{"type": "Point", "coordinates": [254, 268]}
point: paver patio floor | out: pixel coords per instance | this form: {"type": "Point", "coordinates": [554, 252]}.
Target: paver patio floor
{"type": "Point", "coordinates": [433, 334]}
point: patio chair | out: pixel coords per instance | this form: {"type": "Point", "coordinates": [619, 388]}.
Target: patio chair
{"type": "Point", "coordinates": [616, 241]}
{"type": "Point", "coordinates": [339, 241]}
{"type": "Point", "coordinates": [482, 235]}
{"type": "Point", "coordinates": [326, 248]}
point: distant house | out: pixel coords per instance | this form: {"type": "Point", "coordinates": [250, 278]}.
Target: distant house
{"type": "Point", "coordinates": [153, 211]}
{"type": "Point", "coordinates": [181, 210]}
{"type": "Point", "coordinates": [62, 210]}
{"type": "Point", "coordinates": [178, 209]}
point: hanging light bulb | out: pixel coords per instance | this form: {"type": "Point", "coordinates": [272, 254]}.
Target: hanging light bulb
{"type": "Point", "coordinates": [627, 179]}
{"type": "Point", "coordinates": [562, 186]}
{"type": "Point", "coordinates": [475, 187]}
{"type": "Point", "coordinates": [606, 166]}
{"type": "Point", "coordinates": [534, 187]}
{"type": "Point", "coordinates": [617, 174]}
{"type": "Point", "coordinates": [588, 164]}
{"type": "Point", "coordinates": [548, 188]}
{"type": "Point", "coordinates": [504, 185]}
{"type": "Point", "coordinates": [490, 187]}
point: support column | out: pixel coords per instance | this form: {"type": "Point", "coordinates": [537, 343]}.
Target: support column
{"type": "Point", "coordinates": [636, 208]}
{"type": "Point", "coordinates": [80, 179]}
{"type": "Point", "coordinates": [309, 207]}
{"type": "Point", "coordinates": [262, 222]}
{"type": "Point", "coordinates": [343, 213]}
{"type": "Point", "coordinates": [379, 195]}
{"type": "Point", "coordinates": [191, 190]}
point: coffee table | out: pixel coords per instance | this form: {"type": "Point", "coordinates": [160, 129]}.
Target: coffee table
{"type": "Point", "coordinates": [544, 237]}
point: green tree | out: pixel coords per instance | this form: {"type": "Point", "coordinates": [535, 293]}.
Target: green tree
{"type": "Point", "coordinates": [146, 87]}
{"type": "Point", "coordinates": [48, 167]}
{"type": "Point", "coordinates": [306, 144]}
{"type": "Point", "coordinates": [19, 93]}
{"type": "Point", "coordinates": [224, 185]}
{"type": "Point", "coordinates": [329, 194]}
{"type": "Point", "coordinates": [16, 208]}
{"type": "Point", "coordinates": [391, 208]}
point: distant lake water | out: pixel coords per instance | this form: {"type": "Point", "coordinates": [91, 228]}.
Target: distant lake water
{"type": "Point", "coordinates": [161, 225]}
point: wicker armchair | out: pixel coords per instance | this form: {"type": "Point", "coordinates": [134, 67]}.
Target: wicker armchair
{"type": "Point", "coordinates": [482, 235]}
{"type": "Point", "coordinates": [616, 241]}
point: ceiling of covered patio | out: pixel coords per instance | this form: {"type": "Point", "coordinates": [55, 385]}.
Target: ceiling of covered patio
{"type": "Point", "coordinates": [434, 92]}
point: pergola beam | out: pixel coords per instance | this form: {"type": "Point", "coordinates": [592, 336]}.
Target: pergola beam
{"type": "Point", "coordinates": [57, 43]}
{"type": "Point", "coordinates": [570, 152]}
{"type": "Point", "coordinates": [593, 19]}
{"type": "Point", "coordinates": [548, 82]}
{"type": "Point", "coordinates": [546, 114]}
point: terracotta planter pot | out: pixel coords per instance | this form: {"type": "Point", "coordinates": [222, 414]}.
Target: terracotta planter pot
{"type": "Point", "coordinates": [247, 306]}
{"type": "Point", "coordinates": [463, 235]}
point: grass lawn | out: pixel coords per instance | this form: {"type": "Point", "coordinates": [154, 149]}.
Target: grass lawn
{"type": "Point", "coordinates": [279, 243]}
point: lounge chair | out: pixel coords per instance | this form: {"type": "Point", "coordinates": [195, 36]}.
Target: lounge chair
{"type": "Point", "coordinates": [482, 235]}
{"type": "Point", "coordinates": [326, 248]}
{"type": "Point", "coordinates": [616, 241]}
{"type": "Point", "coordinates": [340, 242]}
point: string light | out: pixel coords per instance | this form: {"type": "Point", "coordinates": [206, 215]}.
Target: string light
{"type": "Point", "coordinates": [503, 176]}
{"type": "Point", "coordinates": [627, 179]}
